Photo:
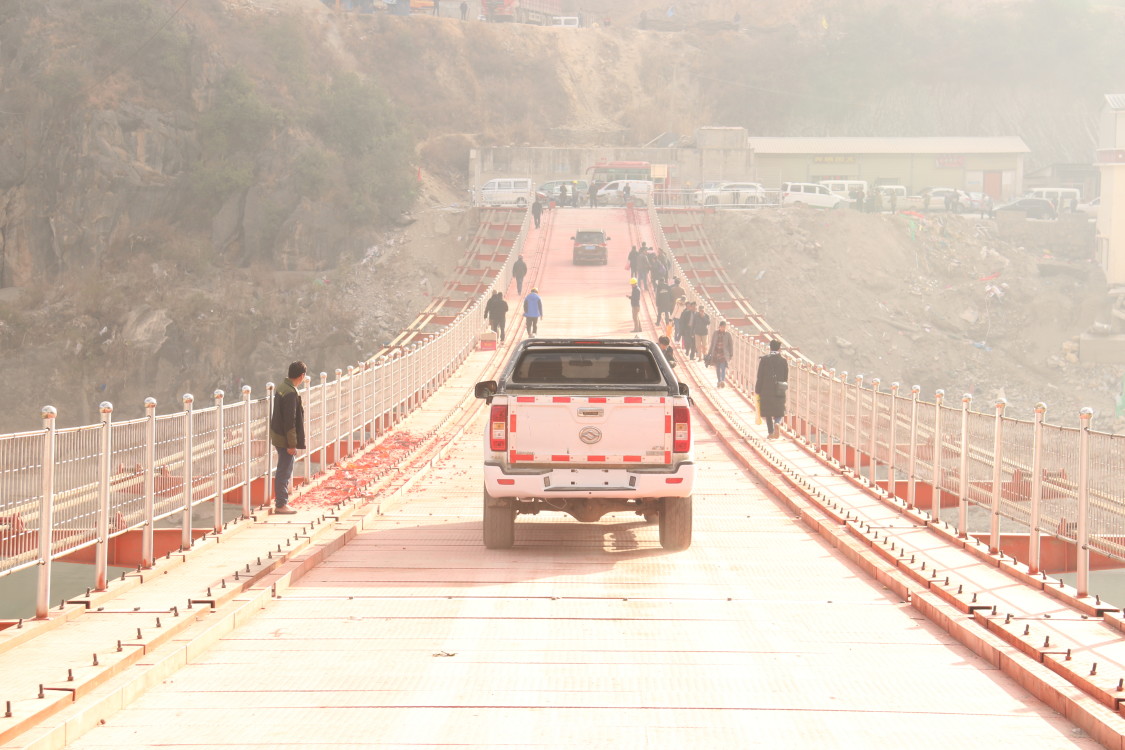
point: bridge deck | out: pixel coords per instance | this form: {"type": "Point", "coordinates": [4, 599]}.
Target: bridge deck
{"type": "Point", "coordinates": [413, 634]}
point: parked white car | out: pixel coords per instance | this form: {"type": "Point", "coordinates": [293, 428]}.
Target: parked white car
{"type": "Point", "coordinates": [613, 193]}
{"type": "Point", "coordinates": [960, 199]}
{"type": "Point", "coordinates": [1091, 208]}
{"type": "Point", "coordinates": [809, 194]}
{"type": "Point", "coordinates": [732, 194]}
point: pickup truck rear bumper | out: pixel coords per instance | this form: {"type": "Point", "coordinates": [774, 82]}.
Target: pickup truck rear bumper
{"type": "Point", "coordinates": [590, 482]}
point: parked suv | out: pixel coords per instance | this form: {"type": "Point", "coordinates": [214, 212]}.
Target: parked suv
{"type": "Point", "coordinates": [590, 246]}
{"type": "Point", "coordinates": [731, 194]}
{"type": "Point", "coordinates": [960, 199]}
{"type": "Point", "coordinates": [809, 194]}
{"type": "Point", "coordinates": [1033, 208]}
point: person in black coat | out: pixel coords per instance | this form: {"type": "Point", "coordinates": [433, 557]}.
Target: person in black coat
{"type": "Point", "coordinates": [519, 270]}
{"type": "Point", "coordinates": [771, 386]}
{"type": "Point", "coordinates": [686, 330]}
{"type": "Point", "coordinates": [496, 311]}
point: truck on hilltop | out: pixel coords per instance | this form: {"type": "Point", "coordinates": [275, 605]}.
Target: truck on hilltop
{"type": "Point", "coordinates": [587, 427]}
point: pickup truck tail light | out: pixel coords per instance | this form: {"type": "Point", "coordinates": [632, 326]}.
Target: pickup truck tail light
{"type": "Point", "coordinates": [498, 428]}
{"type": "Point", "coordinates": [681, 429]}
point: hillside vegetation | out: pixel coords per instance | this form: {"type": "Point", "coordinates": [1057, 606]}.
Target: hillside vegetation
{"type": "Point", "coordinates": [188, 190]}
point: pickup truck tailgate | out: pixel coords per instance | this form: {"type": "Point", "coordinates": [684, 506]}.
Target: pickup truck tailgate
{"type": "Point", "coordinates": [590, 429]}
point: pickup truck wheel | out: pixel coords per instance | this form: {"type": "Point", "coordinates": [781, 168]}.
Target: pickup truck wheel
{"type": "Point", "coordinates": [675, 523]}
{"type": "Point", "coordinates": [499, 523]}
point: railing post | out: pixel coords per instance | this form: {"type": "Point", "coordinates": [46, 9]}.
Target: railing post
{"type": "Point", "coordinates": [338, 417]}
{"type": "Point", "coordinates": [872, 443]}
{"type": "Point", "coordinates": [247, 452]}
{"type": "Point", "coordinates": [829, 422]}
{"type": "Point", "coordinates": [963, 470]}
{"type": "Point", "coordinates": [323, 426]}
{"type": "Point", "coordinates": [148, 531]}
{"type": "Point", "coordinates": [105, 458]}
{"type": "Point", "coordinates": [368, 413]}
{"type": "Point", "coordinates": [997, 458]}
{"type": "Point", "coordinates": [1083, 535]}
{"type": "Point", "coordinates": [843, 432]}
{"type": "Point", "coordinates": [1034, 546]}
{"type": "Point", "coordinates": [351, 409]}
{"type": "Point", "coordinates": [310, 438]}
{"type": "Point", "coordinates": [267, 491]}
{"type": "Point", "coordinates": [892, 482]}
{"type": "Point", "coordinates": [935, 492]}
{"type": "Point", "coordinates": [911, 479]}
{"type": "Point", "coordinates": [46, 513]}
{"type": "Point", "coordinates": [189, 490]}
{"type": "Point", "coordinates": [818, 409]}
{"type": "Point", "coordinates": [856, 458]}
{"type": "Point", "coordinates": [411, 378]}
{"type": "Point", "coordinates": [219, 467]}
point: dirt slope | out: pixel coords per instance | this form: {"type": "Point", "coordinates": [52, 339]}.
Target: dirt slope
{"type": "Point", "coordinates": [933, 301]}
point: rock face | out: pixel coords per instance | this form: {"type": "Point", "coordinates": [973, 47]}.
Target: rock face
{"type": "Point", "coordinates": [148, 198]}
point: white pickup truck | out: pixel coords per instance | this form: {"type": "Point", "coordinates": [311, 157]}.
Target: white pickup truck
{"type": "Point", "coordinates": [587, 427]}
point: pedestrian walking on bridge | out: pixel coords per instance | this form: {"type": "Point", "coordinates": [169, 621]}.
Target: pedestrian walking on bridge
{"type": "Point", "coordinates": [771, 386]}
{"type": "Point", "coordinates": [686, 330]}
{"type": "Point", "coordinates": [536, 211]}
{"type": "Point", "coordinates": [287, 433]}
{"type": "Point", "coordinates": [532, 311]}
{"type": "Point", "coordinates": [496, 312]}
{"type": "Point", "coordinates": [519, 270]}
{"type": "Point", "coordinates": [635, 303]}
{"type": "Point", "coordinates": [722, 347]}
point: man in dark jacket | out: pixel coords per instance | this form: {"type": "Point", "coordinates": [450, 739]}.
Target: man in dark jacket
{"type": "Point", "coordinates": [496, 311]}
{"type": "Point", "coordinates": [536, 211]}
{"type": "Point", "coordinates": [287, 433]}
{"type": "Point", "coordinates": [686, 331]}
{"type": "Point", "coordinates": [519, 270]}
{"type": "Point", "coordinates": [771, 386]}
{"type": "Point", "coordinates": [701, 325]}
{"type": "Point", "coordinates": [722, 349]}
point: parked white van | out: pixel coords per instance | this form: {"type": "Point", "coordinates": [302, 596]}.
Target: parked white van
{"type": "Point", "coordinates": [809, 194]}
{"type": "Point", "coordinates": [613, 193]}
{"type": "Point", "coordinates": [1063, 198]}
{"type": "Point", "coordinates": [844, 188]}
{"type": "Point", "coordinates": [508, 191]}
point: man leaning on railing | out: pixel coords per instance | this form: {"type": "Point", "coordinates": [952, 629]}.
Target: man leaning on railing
{"type": "Point", "coordinates": [287, 433]}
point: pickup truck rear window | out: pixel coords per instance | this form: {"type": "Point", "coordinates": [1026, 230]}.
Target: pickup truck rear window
{"type": "Point", "coordinates": [587, 367]}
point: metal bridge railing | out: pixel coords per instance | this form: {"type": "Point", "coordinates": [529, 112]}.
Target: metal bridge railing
{"type": "Point", "coordinates": [995, 475]}
{"type": "Point", "coordinates": [62, 490]}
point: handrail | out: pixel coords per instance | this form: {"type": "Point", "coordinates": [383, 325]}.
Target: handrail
{"type": "Point", "coordinates": [1079, 496]}
{"type": "Point", "coordinates": [59, 491]}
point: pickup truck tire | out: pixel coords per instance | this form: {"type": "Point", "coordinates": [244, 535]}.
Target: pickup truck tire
{"type": "Point", "coordinates": [499, 523]}
{"type": "Point", "coordinates": [675, 523]}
